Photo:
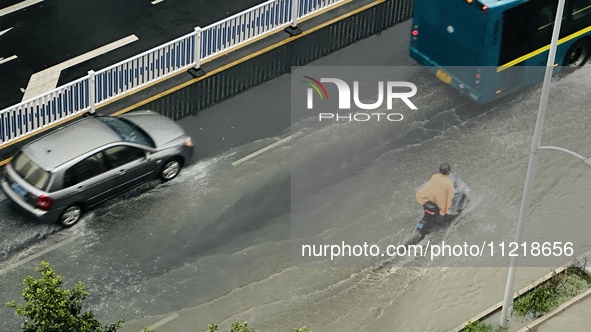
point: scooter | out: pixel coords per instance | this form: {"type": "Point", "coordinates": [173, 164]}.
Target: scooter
{"type": "Point", "coordinates": [431, 216]}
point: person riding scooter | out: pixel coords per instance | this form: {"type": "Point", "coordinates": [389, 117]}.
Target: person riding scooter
{"type": "Point", "coordinates": [439, 190]}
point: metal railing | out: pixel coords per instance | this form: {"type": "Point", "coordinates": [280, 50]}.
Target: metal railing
{"type": "Point", "coordinates": [142, 69]}
{"type": "Point", "coordinates": [243, 27]}
{"type": "Point", "coordinates": [39, 112]}
{"type": "Point", "coordinates": [309, 7]}
{"type": "Point", "coordinates": [88, 92]}
{"type": "Point", "coordinates": [205, 93]}
{"type": "Point", "coordinates": [583, 261]}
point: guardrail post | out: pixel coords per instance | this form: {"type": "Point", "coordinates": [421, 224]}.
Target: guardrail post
{"type": "Point", "coordinates": [293, 29]}
{"type": "Point", "coordinates": [196, 71]}
{"type": "Point", "coordinates": [91, 87]}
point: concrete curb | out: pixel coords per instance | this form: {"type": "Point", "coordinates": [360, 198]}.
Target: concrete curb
{"type": "Point", "coordinates": [497, 306]}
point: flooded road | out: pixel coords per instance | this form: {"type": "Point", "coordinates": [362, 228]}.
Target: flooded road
{"type": "Point", "coordinates": [217, 244]}
{"type": "Point", "coordinates": [362, 189]}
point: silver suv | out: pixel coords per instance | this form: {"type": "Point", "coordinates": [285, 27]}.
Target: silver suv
{"type": "Point", "coordinates": [57, 176]}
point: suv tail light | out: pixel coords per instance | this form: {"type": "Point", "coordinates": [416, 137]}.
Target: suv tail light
{"type": "Point", "coordinates": [44, 202]}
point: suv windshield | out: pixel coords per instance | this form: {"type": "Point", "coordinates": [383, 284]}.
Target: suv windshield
{"type": "Point", "coordinates": [127, 131]}
{"type": "Point", "coordinates": [29, 171]}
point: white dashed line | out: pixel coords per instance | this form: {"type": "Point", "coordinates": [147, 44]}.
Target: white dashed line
{"type": "Point", "coordinates": [267, 148]}
{"type": "Point", "coordinates": [156, 1]}
{"type": "Point", "coordinates": [47, 79]}
{"type": "Point", "coordinates": [3, 60]}
{"type": "Point", "coordinates": [18, 6]}
{"type": "Point", "coordinates": [162, 322]}
{"type": "Point", "coordinates": [99, 51]}
{"type": "Point", "coordinates": [5, 31]}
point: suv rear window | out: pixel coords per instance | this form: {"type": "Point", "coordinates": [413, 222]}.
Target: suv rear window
{"type": "Point", "coordinates": [29, 171]}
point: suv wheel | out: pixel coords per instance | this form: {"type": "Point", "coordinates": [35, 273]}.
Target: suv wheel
{"type": "Point", "coordinates": [70, 216]}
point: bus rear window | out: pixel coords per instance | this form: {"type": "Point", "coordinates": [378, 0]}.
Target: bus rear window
{"type": "Point", "coordinates": [30, 171]}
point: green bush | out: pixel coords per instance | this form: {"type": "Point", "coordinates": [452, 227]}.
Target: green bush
{"type": "Point", "coordinates": [542, 299]}
{"type": "Point", "coordinates": [49, 308]}
{"type": "Point", "coordinates": [553, 292]}
{"type": "Point", "coordinates": [478, 327]}
{"type": "Point", "coordinates": [243, 327]}
{"type": "Point", "coordinates": [236, 327]}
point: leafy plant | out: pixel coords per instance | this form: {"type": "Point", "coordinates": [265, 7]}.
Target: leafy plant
{"type": "Point", "coordinates": [541, 299]}
{"type": "Point", "coordinates": [478, 327]}
{"type": "Point", "coordinates": [49, 308]}
{"type": "Point", "coordinates": [235, 327]}
{"type": "Point", "coordinates": [551, 293]}
{"type": "Point", "coordinates": [243, 327]}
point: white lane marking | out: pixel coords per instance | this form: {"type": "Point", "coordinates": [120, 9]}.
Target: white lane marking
{"type": "Point", "coordinates": [5, 31]}
{"type": "Point", "coordinates": [47, 79]}
{"type": "Point", "coordinates": [18, 6]}
{"type": "Point", "coordinates": [99, 51]}
{"type": "Point", "coordinates": [39, 254]}
{"type": "Point", "coordinates": [162, 322]}
{"type": "Point", "coordinates": [3, 60]}
{"type": "Point", "coordinates": [267, 148]}
{"type": "Point", "coordinates": [156, 1]}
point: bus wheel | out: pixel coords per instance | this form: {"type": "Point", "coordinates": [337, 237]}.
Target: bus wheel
{"type": "Point", "coordinates": [578, 54]}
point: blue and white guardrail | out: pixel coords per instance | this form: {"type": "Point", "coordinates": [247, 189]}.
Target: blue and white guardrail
{"type": "Point", "coordinates": [180, 54]}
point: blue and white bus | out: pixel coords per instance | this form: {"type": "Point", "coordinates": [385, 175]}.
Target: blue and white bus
{"type": "Point", "coordinates": [490, 48]}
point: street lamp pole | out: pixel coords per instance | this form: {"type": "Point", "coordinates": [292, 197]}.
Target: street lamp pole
{"type": "Point", "coordinates": [531, 168]}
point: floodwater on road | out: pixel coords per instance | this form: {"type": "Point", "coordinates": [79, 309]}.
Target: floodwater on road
{"type": "Point", "coordinates": [361, 189]}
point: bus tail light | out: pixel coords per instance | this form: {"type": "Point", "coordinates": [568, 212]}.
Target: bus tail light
{"type": "Point", "coordinates": [482, 6]}
{"type": "Point", "coordinates": [414, 32]}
